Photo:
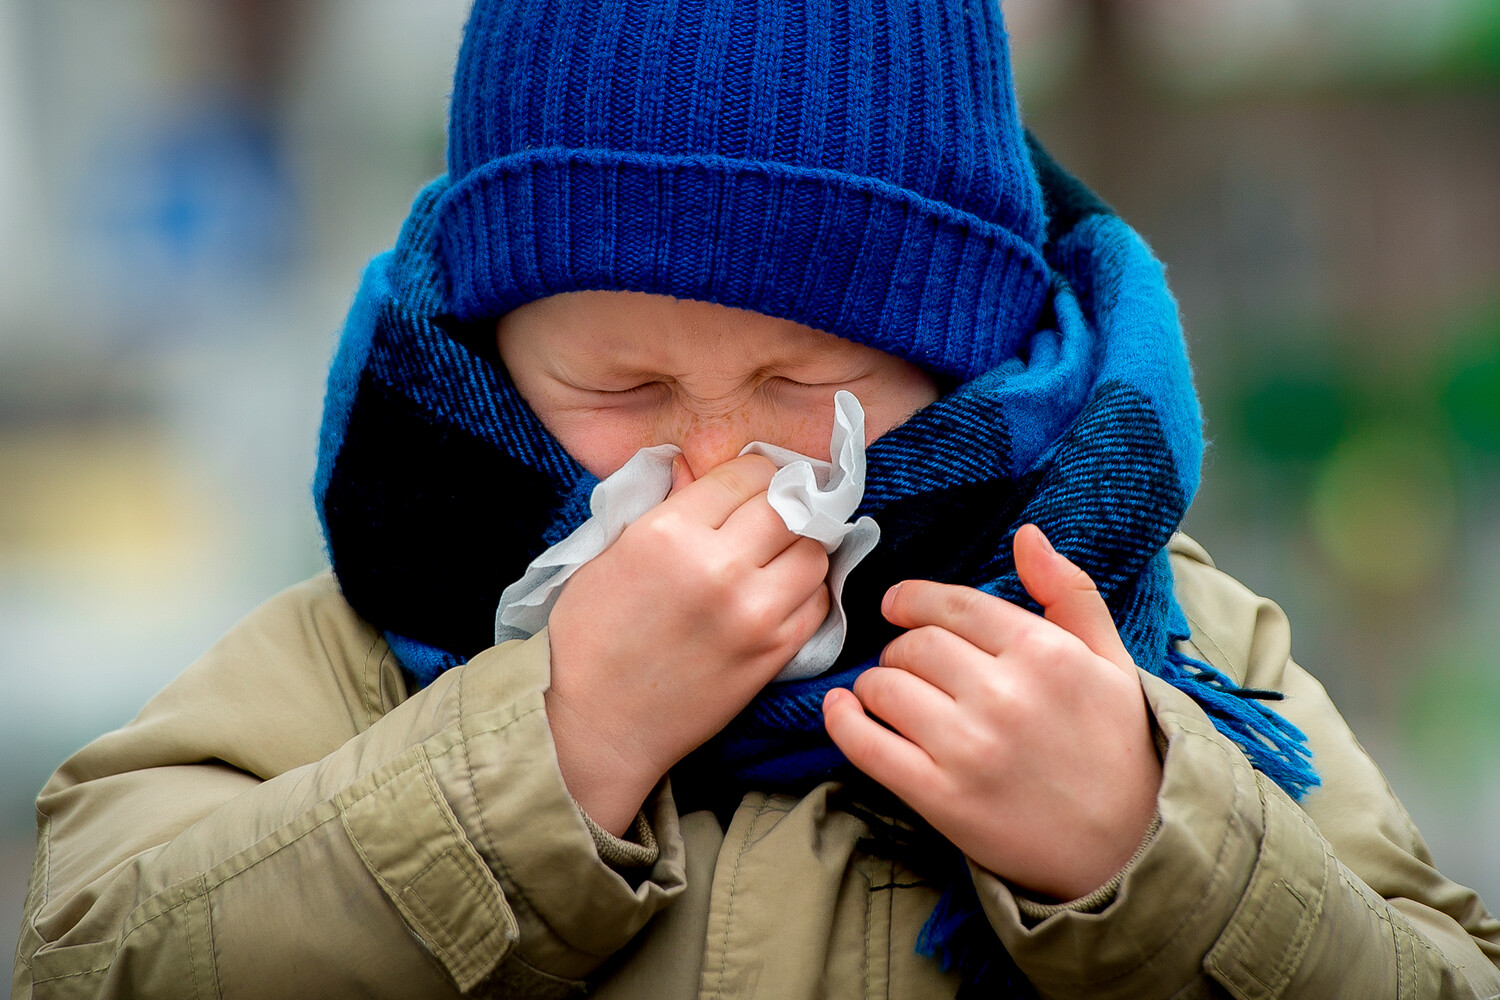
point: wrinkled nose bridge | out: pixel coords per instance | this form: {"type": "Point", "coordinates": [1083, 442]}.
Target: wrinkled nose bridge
{"type": "Point", "coordinates": [708, 440]}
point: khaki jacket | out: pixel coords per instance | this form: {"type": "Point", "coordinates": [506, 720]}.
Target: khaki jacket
{"type": "Point", "coordinates": [287, 820]}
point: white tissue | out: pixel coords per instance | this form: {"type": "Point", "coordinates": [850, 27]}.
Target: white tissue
{"type": "Point", "coordinates": [815, 498]}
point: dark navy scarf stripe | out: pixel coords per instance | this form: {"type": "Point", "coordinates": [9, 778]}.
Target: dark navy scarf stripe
{"type": "Point", "coordinates": [437, 486]}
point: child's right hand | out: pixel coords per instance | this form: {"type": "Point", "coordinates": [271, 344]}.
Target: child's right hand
{"type": "Point", "coordinates": [665, 636]}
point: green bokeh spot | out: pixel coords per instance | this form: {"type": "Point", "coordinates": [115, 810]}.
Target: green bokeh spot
{"type": "Point", "coordinates": [1293, 417]}
{"type": "Point", "coordinates": [1472, 396]}
{"type": "Point", "coordinates": [1477, 52]}
{"type": "Point", "coordinates": [1451, 715]}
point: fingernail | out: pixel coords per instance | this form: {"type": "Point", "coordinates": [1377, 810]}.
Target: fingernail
{"type": "Point", "coordinates": [888, 600]}
{"type": "Point", "coordinates": [1046, 542]}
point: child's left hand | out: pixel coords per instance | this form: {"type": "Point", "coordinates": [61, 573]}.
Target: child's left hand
{"type": "Point", "coordinates": [1023, 739]}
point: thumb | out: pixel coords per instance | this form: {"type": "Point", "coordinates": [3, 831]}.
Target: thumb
{"type": "Point", "coordinates": [1068, 597]}
{"type": "Point", "coordinates": [682, 475]}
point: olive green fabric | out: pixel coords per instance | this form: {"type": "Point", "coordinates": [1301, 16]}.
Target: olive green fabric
{"type": "Point", "coordinates": [284, 820]}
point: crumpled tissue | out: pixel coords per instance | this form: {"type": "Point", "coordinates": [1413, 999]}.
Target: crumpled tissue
{"type": "Point", "coordinates": [815, 498]}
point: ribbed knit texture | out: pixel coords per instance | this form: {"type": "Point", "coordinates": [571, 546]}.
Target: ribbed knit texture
{"type": "Point", "coordinates": [855, 166]}
{"type": "Point", "coordinates": [437, 485]}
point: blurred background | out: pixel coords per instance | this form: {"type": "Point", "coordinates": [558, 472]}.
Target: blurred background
{"type": "Point", "coordinates": [189, 189]}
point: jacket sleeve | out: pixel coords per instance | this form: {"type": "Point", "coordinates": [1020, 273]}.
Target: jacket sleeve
{"type": "Point", "coordinates": [280, 822]}
{"type": "Point", "coordinates": [1243, 892]}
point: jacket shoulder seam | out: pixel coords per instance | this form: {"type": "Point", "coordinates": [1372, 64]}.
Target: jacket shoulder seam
{"type": "Point", "coordinates": [1208, 637]}
{"type": "Point", "coordinates": [46, 842]}
{"type": "Point", "coordinates": [370, 688]}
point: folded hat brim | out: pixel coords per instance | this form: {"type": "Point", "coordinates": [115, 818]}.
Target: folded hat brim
{"type": "Point", "coordinates": [858, 257]}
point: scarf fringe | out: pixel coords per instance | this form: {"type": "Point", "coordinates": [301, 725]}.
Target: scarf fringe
{"type": "Point", "coordinates": [958, 936]}
{"type": "Point", "coordinates": [1274, 746]}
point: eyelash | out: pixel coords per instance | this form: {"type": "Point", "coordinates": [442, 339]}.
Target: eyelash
{"type": "Point", "coordinates": [632, 390]}
{"type": "Point", "coordinates": [774, 382]}
{"type": "Point", "coordinates": [794, 383]}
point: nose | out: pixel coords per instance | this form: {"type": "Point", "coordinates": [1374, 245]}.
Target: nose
{"type": "Point", "coordinates": [707, 443]}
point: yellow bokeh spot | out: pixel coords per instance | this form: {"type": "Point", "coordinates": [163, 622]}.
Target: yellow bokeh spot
{"type": "Point", "coordinates": [98, 503]}
{"type": "Point", "coordinates": [1384, 508]}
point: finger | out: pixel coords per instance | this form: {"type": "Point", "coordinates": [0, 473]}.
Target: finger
{"type": "Point", "coordinates": [787, 631]}
{"type": "Point", "coordinates": [723, 489]}
{"type": "Point", "coordinates": [888, 757]}
{"type": "Point", "coordinates": [987, 622]}
{"type": "Point", "coordinates": [758, 531]}
{"type": "Point", "coordinates": [1068, 596]}
{"type": "Point", "coordinates": [785, 602]}
{"type": "Point", "coordinates": [682, 474]}
{"type": "Point", "coordinates": [798, 570]}
{"type": "Point", "coordinates": [938, 656]}
{"type": "Point", "coordinates": [919, 711]}
{"type": "Point", "coordinates": [807, 618]}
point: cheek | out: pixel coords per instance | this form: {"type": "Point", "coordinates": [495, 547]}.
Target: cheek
{"type": "Point", "coordinates": [600, 440]}
{"type": "Point", "coordinates": [894, 396]}
{"type": "Point", "coordinates": [805, 431]}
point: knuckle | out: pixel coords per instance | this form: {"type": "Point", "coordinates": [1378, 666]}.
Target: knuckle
{"type": "Point", "coordinates": [961, 603]}
{"type": "Point", "coordinates": [1079, 580]}
{"type": "Point", "coordinates": [819, 607]}
{"type": "Point", "coordinates": [660, 528]}
{"type": "Point", "coordinates": [767, 618]}
{"type": "Point", "coordinates": [825, 598]}
{"type": "Point", "coordinates": [874, 685]}
{"type": "Point", "coordinates": [755, 616]}
{"type": "Point", "coordinates": [913, 646]}
{"type": "Point", "coordinates": [759, 465]}
{"type": "Point", "coordinates": [994, 687]}
{"type": "Point", "coordinates": [928, 641]}
{"type": "Point", "coordinates": [843, 725]}
{"type": "Point", "coordinates": [714, 580]}
{"type": "Point", "coordinates": [1033, 631]}
{"type": "Point", "coordinates": [1054, 646]}
{"type": "Point", "coordinates": [798, 627]}
{"type": "Point", "coordinates": [981, 748]}
{"type": "Point", "coordinates": [816, 555]}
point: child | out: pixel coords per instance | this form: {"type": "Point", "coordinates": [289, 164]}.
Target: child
{"type": "Point", "coordinates": [1061, 755]}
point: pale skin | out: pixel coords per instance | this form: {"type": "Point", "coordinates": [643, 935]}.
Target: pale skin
{"type": "Point", "coordinates": [1024, 739]}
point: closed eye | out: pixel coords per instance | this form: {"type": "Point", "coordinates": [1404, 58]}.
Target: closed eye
{"type": "Point", "coordinates": [628, 390]}
{"type": "Point", "coordinates": [792, 383]}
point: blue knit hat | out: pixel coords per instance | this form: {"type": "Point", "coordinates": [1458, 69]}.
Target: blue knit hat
{"type": "Point", "coordinates": [862, 172]}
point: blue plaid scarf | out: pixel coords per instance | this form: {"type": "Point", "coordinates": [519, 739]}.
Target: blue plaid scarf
{"type": "Point", "coordinates": [437, 485]}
